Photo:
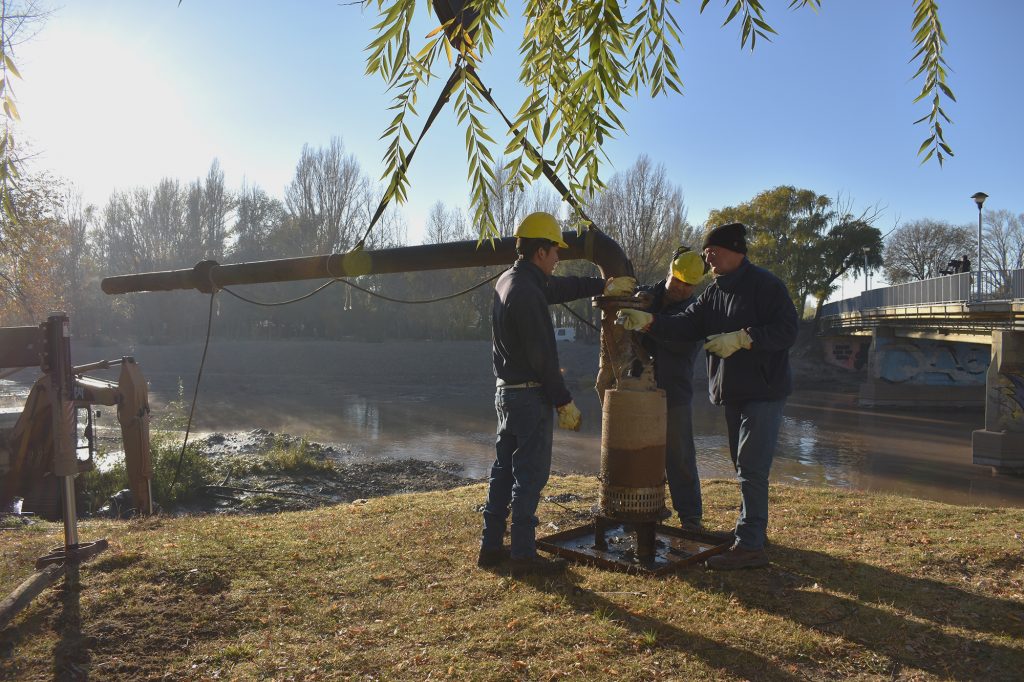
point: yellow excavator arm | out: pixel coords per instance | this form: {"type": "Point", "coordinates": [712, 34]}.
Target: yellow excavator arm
{"type": "Point", "coordinates": [40, 446]}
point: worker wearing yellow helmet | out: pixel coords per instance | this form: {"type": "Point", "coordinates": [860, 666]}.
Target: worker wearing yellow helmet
{"type": "Point", "coordinates": [673, 371]}
{"type": "Point", "coordinates": [530, 389]}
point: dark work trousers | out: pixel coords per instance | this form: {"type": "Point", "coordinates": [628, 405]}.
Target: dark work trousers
{"type": "Point", "coordinates": [681, 463]}
{"type": "Point", "coordinates": [753, 433]}
{"type": "Point", "coordinates": [521, 467]}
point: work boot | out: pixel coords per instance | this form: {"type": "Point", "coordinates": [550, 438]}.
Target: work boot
{"type": "Point", "coordinates": [737, 557]}
{"type": "Point", "coordinates": [536, 565]}
{"type": "Point", "coordinates": [489, 558]}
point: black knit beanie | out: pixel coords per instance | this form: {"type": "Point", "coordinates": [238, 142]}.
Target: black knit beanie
{"type": "Point", "coordinates": [730, 236]}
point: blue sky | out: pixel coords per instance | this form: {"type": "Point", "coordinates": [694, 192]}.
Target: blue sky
{"type": "Point", "coordinates": [120, 93]}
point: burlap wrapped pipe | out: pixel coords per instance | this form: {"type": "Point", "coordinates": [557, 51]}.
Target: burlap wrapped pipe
{"type": "Point", "coordinates": [633, 453]}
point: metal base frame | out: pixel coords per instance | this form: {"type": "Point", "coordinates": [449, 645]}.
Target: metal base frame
{"type": "Point", "coordinates": [646, 547]}
{"type": "Point", "coordinates": [72, 554]}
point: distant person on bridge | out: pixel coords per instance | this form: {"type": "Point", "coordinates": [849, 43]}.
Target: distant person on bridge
{"type": "Point", "coordinates": [529, 386]}
{"type": "Point", "coordinates": [673, 372]}
{"type": "Point", "coordinates": [965, 264]}
{"type": "Point", "coordinates": [750, 323]}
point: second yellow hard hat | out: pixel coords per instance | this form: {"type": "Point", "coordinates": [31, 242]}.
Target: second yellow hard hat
{"type": "Point", "coordinates": [688, 266]}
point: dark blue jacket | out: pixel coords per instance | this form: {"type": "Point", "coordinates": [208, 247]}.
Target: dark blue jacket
{"type": "Point", "coordinates": [749, 298]}
{"type": "Point", "coordinates": [673, 360]}
{"type": "Point", "coordinates": [522, 336]}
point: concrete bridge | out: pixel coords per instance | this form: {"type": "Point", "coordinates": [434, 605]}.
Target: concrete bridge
{"type": "Point", "coordinates": [941, 342]}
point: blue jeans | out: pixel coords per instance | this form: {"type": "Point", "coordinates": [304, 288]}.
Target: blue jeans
{"type": "Point", "coordinates": [681, 464]}
{"type": "Point", "coordinates": [753, 434]}
{"type": "Point", "coordinates": [520, 470]}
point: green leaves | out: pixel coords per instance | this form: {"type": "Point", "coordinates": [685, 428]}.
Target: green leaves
{"type": "Point", "coordinates": [752, 24]}
{"type": "Point", "coordinates": [581, 61]}
{"type": "Point", "coordinates": [929, 39]}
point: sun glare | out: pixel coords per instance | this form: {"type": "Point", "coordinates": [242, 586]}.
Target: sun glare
{"type": "Point", "coordinates": [107, 115]}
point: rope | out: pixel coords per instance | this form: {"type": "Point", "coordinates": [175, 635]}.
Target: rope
{"type": "Point", "coordinates": [195, 394]}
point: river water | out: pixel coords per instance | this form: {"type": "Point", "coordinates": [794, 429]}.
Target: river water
{"type": "Point", "coordinates": [434, 401]}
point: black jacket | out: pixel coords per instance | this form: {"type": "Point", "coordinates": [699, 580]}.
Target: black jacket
{"type": "Point", "coordinates": [673, 360]}
{"type": "Point", "coordinates": [522, 337]}
{"type": "Point", "coordinates": [750, 298]}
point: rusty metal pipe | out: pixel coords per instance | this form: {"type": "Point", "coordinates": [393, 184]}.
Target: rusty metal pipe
{"type": "Point", "coordinates": [592, 245]}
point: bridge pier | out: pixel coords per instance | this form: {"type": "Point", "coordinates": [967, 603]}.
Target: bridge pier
{"type": "Point", "coordinates": [1000, 444]}
{"type": "Point", "coordinates": [923, 372]}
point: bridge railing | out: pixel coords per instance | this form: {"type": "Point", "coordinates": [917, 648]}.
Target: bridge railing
{"type": "Point", "coordinates": [996, 285]}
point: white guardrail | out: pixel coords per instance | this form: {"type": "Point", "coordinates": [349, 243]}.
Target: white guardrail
{"type": "Point", "coordinates": [996, 285]}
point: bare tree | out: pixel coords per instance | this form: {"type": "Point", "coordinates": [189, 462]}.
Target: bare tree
{"type": "Point", "coordinates": [508, 202]}
{"type": "Point", "coordinates": [922, 248]}
{"type": "Point", "coordinates": [445, 225]}
{"type": "Point", "coordinates": [217, 204]}
{"type": "Point", "coordinates": [645, 213]}
{"type": "Point", "coordinates": [1003, 245]}
{"type": "Point", "coordinates": [257, 217]}
{"type": "Point", "coordinates": [326, 197]}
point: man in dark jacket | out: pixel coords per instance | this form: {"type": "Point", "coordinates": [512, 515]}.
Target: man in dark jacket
{"type": "Point", "coordinates": [529, 384]}
{"type": "Point", "coordinates": [750, 324]}
{"type": "Point", "coordinates": [673, 372]}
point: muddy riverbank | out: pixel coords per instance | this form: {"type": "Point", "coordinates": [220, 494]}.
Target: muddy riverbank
{"type": "Point", "coordinates": [433, 402]}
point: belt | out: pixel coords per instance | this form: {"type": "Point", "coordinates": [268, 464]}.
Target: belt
{"type": "Point", "coordinates": [525, 384]}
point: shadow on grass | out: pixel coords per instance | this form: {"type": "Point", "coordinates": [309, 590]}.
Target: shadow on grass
{"type": "Point", "coordinates": [715, 655]}
{"type": "Point", "coordinates": [903, 618]}
{"type": "Point", "coordinates": [70, 655]}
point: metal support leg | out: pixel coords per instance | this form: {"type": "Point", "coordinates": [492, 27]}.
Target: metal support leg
{"type": "Point", "coordinates": [600, 528]}
{"type": "Point", "coordinates": [70, 514]}
{"type": "Point", "coordinates": [645, 540]}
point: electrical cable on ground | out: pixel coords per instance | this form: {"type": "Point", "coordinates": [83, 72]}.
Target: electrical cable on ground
{"type": "Point", "coordinates": [195, 394]}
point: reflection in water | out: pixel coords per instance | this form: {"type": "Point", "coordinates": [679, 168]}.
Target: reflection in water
{"type": "Point", "coordinates": [826, 439]}
{"type": "Point", "coordinates": [365, 415]}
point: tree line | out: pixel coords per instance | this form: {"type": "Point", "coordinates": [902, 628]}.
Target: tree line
{"type": "Point", "coordinates": [54, 255]}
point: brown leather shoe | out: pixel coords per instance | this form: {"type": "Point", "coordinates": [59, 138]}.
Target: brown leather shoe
{"type": "Point", "coordinates": [737, 557]}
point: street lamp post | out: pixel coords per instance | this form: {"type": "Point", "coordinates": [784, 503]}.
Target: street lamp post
{"type": "Point", "coordinates": [979, 199]}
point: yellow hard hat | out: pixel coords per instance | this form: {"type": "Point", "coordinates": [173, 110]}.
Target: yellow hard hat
{"type": "Point", "coordinates": [688, 267]}
{"type": "Point", "coordinates": [541, 225]}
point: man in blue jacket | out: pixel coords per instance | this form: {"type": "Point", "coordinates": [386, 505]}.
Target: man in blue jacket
{"type": "Point", "coordinates": [750, 323]}
{"type": "Point", "coordinates": [529, 385]}
{"type": "Point", "coordinates": [673, 372]}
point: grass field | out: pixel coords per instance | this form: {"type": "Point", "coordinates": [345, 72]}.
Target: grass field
{"type": "Point", "coordinates": [861, 586]}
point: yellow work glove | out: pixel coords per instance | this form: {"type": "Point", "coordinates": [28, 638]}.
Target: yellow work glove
{"type": "Point", "coordinates": [634, 320]}
{"type": "Point", "coordinates": [724, 345]}
{"type": "Point", "coordinates": [619, 286]}
{"type": "Point", "coordinates": [569, 417]}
